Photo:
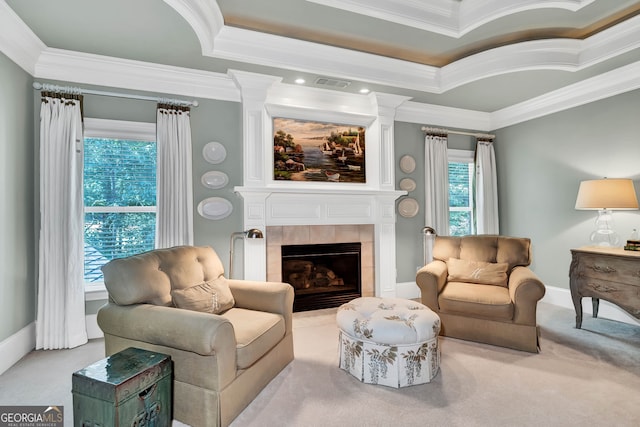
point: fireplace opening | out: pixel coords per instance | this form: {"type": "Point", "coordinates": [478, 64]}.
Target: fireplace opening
{"type": "Point", "coordinates": [322, 275]}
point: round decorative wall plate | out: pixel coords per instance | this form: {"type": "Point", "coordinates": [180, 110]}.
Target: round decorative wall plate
{"type": "Point", "coordinates": [408, 207]}
{"type": "Point", "coordinates": [215, 208]}
{"type": "Point", "coordinates": [215, 179]}
{"type": "Point", "coordinates": [407, 164]}
{"type": "Point", "coordinates": [214, 152]}
{"type": "Point", "coordinates": [407, 184]}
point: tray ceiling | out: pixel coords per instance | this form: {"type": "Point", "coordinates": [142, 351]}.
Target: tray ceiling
{"type": "Point", "coordinates": [481, 55]}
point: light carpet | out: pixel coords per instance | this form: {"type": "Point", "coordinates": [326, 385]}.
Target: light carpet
{"type": "Point", "coordinates": [581, 377]}
{"type": "Point", "coordinates": [588, 376]}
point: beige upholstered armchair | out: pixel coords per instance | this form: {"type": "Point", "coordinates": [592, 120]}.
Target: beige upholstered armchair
{"type": "Point", "coordinates": [483, 290]}
{"type": "Point", "coordinates": [227, 338]}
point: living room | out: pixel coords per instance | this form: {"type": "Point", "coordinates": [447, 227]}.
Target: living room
{"type": "Point", "coordinates": [544, 148]}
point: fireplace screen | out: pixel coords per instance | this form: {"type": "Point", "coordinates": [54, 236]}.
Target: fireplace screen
{"type": "Point", "coordinates": [323, 275]}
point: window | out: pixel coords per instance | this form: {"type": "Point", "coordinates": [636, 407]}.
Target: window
{"type": "Point", "coordinates": [461, 208]}
{"type": "Point", "coordinates": [119, 192]}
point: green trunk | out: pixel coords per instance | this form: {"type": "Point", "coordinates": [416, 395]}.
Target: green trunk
{"type": "Point", "coordinates": [130, 388]}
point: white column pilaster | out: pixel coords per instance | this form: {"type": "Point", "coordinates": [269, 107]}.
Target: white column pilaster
{"type": "Point", "coordinates": [385, 228]}
{"type": "Point", "coordinates": [254, 89]}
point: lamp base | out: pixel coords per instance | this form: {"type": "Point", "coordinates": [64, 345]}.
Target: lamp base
{"type": "Point", "coordinates": [604, 234]}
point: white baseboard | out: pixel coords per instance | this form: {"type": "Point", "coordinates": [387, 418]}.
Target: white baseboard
{"type": "Point", "coordinates": [93, 330]}
{"type": "Point", "coordinates": [23, 342]}
{"type": "Point", "coordinates": [554, 295]}
{"type": "Point", "coordinates": [17, 346]}
{"type": "Point", "coordinates": [562, 297]}
{"type": "Point", "coordinates": [408, 290]}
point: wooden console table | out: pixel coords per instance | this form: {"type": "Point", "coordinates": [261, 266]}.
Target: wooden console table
{"type": "Point", "coordinates": [612, 274]}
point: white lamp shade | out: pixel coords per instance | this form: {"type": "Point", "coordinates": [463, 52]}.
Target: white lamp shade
{"type": "Point", "coordinates": [596, 194]}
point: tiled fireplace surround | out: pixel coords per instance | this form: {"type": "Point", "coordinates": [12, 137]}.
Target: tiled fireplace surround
{"type": "Point", "coordinates": [316, 234]}
{"type": "Point", "coordinates": [310, 212]}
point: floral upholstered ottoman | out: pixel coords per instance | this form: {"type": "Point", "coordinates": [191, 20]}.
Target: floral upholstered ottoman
{"type": "Point", "coordinates": [389, 341]}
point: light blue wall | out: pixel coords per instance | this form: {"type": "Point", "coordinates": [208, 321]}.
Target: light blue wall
{"type": "Point", "coordinates": [409, 139]}
{"type": "Point", "coordinates": [17, 247]}
{"type": "Point", "coordinates": [212, 120]}
{"type": "Point", "coordinates": [540, 165]}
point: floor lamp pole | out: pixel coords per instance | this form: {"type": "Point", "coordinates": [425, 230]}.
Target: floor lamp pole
{"type": "Point", "coordinates": [252, 233]}
{"type": "Point", "coordinates": [234, 236]}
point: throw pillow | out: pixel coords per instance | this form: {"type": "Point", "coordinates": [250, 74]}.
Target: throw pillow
{"type": "Point", "coordinates": [213, 296]}
{"type": "Point", "coordinates": [485, 273]}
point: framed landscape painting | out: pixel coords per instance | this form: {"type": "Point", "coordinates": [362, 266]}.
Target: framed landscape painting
{"type": "Point", "coordinates": [305, 150]}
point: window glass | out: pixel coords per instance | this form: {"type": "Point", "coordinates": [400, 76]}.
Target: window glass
{"type": "Point", "coordinates": [461, 209]}
{"type": "Point", "coordinates": [119, 200]}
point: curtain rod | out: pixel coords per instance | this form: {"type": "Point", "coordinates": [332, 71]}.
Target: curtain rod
{"type": "Point", "coordinates": [441, 130]}
{"type": "Point", "coordinates": [80, 91]}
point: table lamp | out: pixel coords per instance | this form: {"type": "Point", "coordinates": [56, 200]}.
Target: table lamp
{"type": "Point", "coordinates": [606, 195]}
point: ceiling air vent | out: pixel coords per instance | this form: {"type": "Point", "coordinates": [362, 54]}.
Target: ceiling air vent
{"type": "Point", "coordinates": [335, 83]}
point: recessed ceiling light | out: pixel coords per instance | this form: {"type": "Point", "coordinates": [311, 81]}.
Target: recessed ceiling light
{"type": "Point", "coordinates": [364, 90]}
{"type": "Point", "coordinates": [300, 80]}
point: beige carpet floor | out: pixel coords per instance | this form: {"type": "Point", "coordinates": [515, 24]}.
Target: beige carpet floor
{"type": "Point", "coordinates": [581, 377]}
{"type": "Point", "coordinates": [586, 377]}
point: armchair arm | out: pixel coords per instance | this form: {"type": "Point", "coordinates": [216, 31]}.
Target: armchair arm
{"type": "Point", "coordinates": [193, 331]}
{"type": "Point", "coordinates": [431, 279]}
{"type": "Point", "coordinates": [272, 297]}
{"type": "Point", "coordinates": [525, 290]}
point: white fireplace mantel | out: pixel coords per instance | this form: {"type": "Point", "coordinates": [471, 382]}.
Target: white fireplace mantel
{"type": "Point", "coordinates": [268, 202]}
{"type": "Point", "coordinates": [301, 205]}
{"type": "Point", "coordinates": [264, 207]}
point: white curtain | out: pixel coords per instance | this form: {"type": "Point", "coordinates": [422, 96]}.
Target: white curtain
{"type": "Point", "coordinates": [486, 189]}
{"type": "Point", "coordinates": [174, 217]}
{"type": "Point", "coordinates": [436, 177]}
{"type": "Point", "coordinates": [60, 319]}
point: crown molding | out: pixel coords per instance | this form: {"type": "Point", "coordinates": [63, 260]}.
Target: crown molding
{"type": "Point", "coordinates": [21, 45]}
{"type": "Point", "coordinates": [452, 18]}
{"type": "Point", "coordinates": [253, 86]}
{"type": "Point", "coordinates": [17, 41]}
{"type": "Point", "coordinates": [77, 67]}
{"type": "Point", "coordinates": [610, 43]}
{"type": "Point", "coordinates": [57, 64]}
{"type": "Point", "coordinates": [203, 16]}
{"type": "Point", "coordinates": [438, 16]}
{"type": "Point", "coordinates": [438, 115]}
{"type": "Point", "coordinates": [304, 98]}
{"type": "Point", "coordinates": [615, 82]}
{"type": "Point", "coordinates": [253, 47]}
{"type": "Point", "coordinates": [553, 54]}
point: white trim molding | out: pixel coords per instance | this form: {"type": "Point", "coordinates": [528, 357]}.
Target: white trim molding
{"type": "Point", "coordinates": [58, 64]}
{"type": "Point", "coordinates": [415, 112]}
{"type": "Point", "coordinates": [267, 202]}
{"type": "Point", "coordinates": [615, 82]}
{"type": "Point", "coordinates": [562, 297]}
{"type": "Point", "coordinates": [452, 18]}
{"type": "Point", "coordinates": [553, 54]}
{"type": "Point", "coordinates": [246, 46]}
{"type": "Point", "coordinates": [16, 346]}
{"type": "Point", "coordinates": [17, 41]}
{"type": "Point", "coordinates": [119, 129]}
{"type": "Point", "coordinates": [21, 45]}
{"type": "Point", "coordinates": [203, 16]}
